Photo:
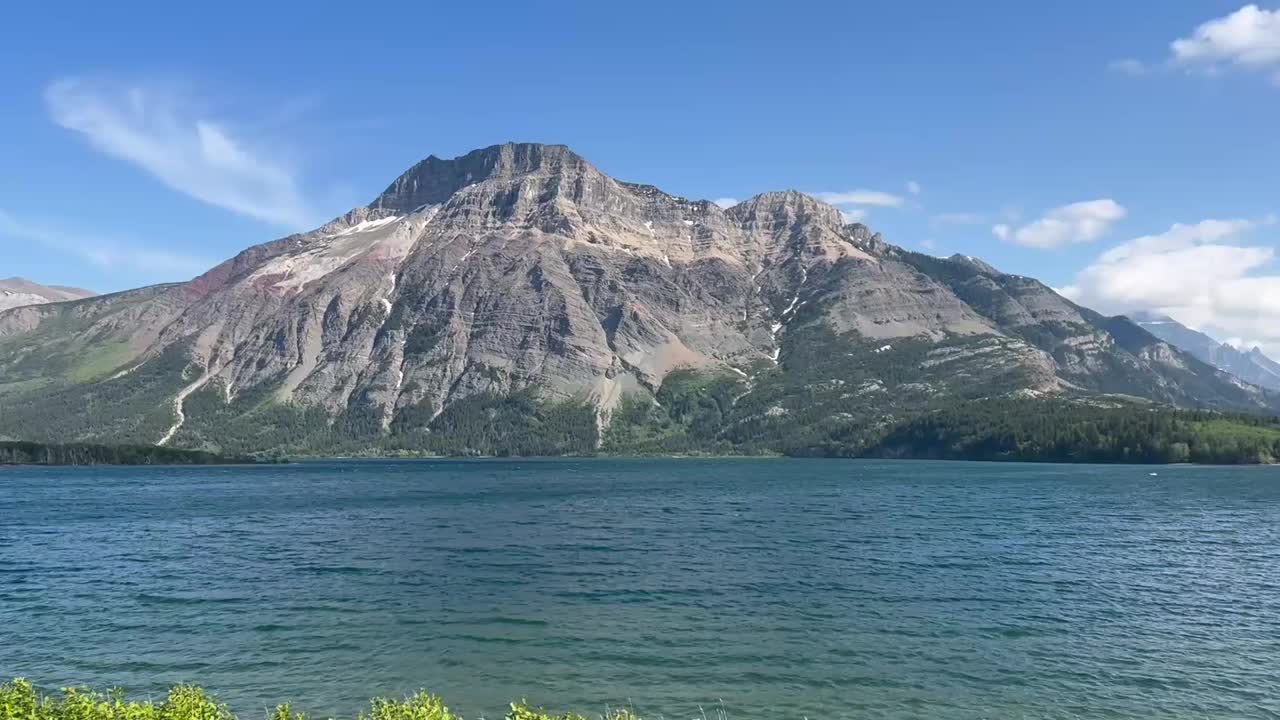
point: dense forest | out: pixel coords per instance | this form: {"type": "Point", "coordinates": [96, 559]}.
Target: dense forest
{"type": "Point", "coordinates": [693, 416]}
{"type": "Point", "coordinates": [32, 453]}
{"type": "Point", "coordinates": [1061, 431]}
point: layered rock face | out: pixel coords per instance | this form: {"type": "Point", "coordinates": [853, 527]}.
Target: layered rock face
{"type": "Point", "coordinates": [523, 265]}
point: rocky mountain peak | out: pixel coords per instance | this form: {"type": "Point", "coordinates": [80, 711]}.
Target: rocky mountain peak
{"type": "Point", "coordinates": [434, 180]}
{"type": "Point", "coordinates": [785, 207]}
{"type": "Point", "coordinates": [973, 262]}
{"type": "Point", "coordinates": [865, 237]}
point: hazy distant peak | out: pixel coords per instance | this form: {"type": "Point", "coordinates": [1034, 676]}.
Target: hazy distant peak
{"type": "Point", "coordinates": [17, 291]}
{"type": "Point", "coordinates": [1249, 365]}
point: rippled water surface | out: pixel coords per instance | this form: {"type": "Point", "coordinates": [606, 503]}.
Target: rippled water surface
{"type": "Point", "coordinates": [787, 588]}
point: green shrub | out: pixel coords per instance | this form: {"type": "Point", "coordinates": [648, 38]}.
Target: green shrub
{"type": "Point", "coordinates": [19, 700]}
{"type": "Point", "coordinates": [420, 706]}
{"type": "Point", "coordinates": [523, 711]}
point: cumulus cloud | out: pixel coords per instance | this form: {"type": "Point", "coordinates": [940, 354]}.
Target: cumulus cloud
{"type": "Point", "coordinates": [1204, 275]}
{"type": "Point", "coordinates": [726, 202]}
{"type": "Point", "coordinates": [199, 156]}
{"type": "Point", "coordinates": [1079, 222]}
{"type": "Point", "coordinates": [105, 253]}
{"type": "Point", "coordinates": [1247, 39]}
{"type": "Point", "coordinates": [874, 198]}
{"type": "Point", "coordinates": [1249, 36]}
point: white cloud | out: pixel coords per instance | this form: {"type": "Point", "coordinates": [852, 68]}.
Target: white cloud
{"type": "Point", "coordinates": [1128, 66]}
{"type": "Point", "coordinates": [1248, 37]}
{"type": "Point", "coordinates": [1244, 344]}
{"type": "Point", "coordinates": [958, 218]}
{"type": "Point", "coordinates": [913, 187]}
{"type": "Point", "coordinates": [194, 155]}
{"type": "Point", "coordinates": [105, 253]}
{"type": "Point", "coordinates": [726, 202]}
{"type": "Point", "coordinates": [1075, 223]}
{"type": "Point", "coordinates": [1203, 275]}
{"type": "Point", "coordinates": [874, 198]}
{"type": "Point", "coordinates": [929, 244]}
{"type": "Point", "coordinates": [854, 215]}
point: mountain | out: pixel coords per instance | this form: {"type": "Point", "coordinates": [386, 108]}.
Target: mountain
{"type": "Point", "coordinates": [1251, 366]}
{"type": "Point", "coordinates": [16, 292]}
{"type": "Point", "coordinates": [517, 298]}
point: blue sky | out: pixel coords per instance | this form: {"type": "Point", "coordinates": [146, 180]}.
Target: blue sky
{"type": "Point", "coordinates": [1125, 154]}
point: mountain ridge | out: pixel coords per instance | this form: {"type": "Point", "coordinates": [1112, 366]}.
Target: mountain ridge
{"type": "Point", "coordinates": [1252, 366]}
{"type": "Point", "coordinates": [523, 267]}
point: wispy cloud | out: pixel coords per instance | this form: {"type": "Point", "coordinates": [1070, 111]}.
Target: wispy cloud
{"type": "Point", "coordinates": [958, 218]}
{"type": "Point", "coordinates": [161, 133]}
{"type": "Point", "coordinates": [1204, 275]}
{"type": "Point", "coordinates": [726, 202]}
{"type": "Point", "coordinates": [854, 215]}
{"type": "Point", "coordinates": [913, 187]}
{"type": "Point", "coordinates": [1075, 223]}
{"type": "Point", "coordinates": [105, 253]}
{"type": "Point", "coordinates": [1128, 66]}
{"type": "Point", "coordinates": [874, 198]}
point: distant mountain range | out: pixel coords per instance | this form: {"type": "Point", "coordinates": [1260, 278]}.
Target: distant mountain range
{"type": "Point", "coordinates": [519, 292]}
{"type": "Point", "coordinates": [16, 292]}
{"type": "Point", "coordinates": [1249, 365]}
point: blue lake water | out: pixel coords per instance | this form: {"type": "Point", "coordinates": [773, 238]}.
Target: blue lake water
{"type": "Point", "coordinates": [782, 588]}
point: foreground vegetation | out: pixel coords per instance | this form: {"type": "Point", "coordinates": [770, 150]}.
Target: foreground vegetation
{"type": "Point", "coordinates": [32, 453]}
{"type": "Point", "coordinates": [19, 700]}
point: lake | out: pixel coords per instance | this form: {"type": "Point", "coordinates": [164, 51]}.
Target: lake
{"type": "Point", "coordinates": [782, 588]}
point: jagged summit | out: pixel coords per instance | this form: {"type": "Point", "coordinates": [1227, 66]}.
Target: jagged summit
{"type": "Point", "coordinates": [433, 180]}
{"type": "Point", "coordinates": [785, 206]}
{"type": "Point", "coordinates": [975, 263]}
{"type": "Point", "coordinates": [557, 172]}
